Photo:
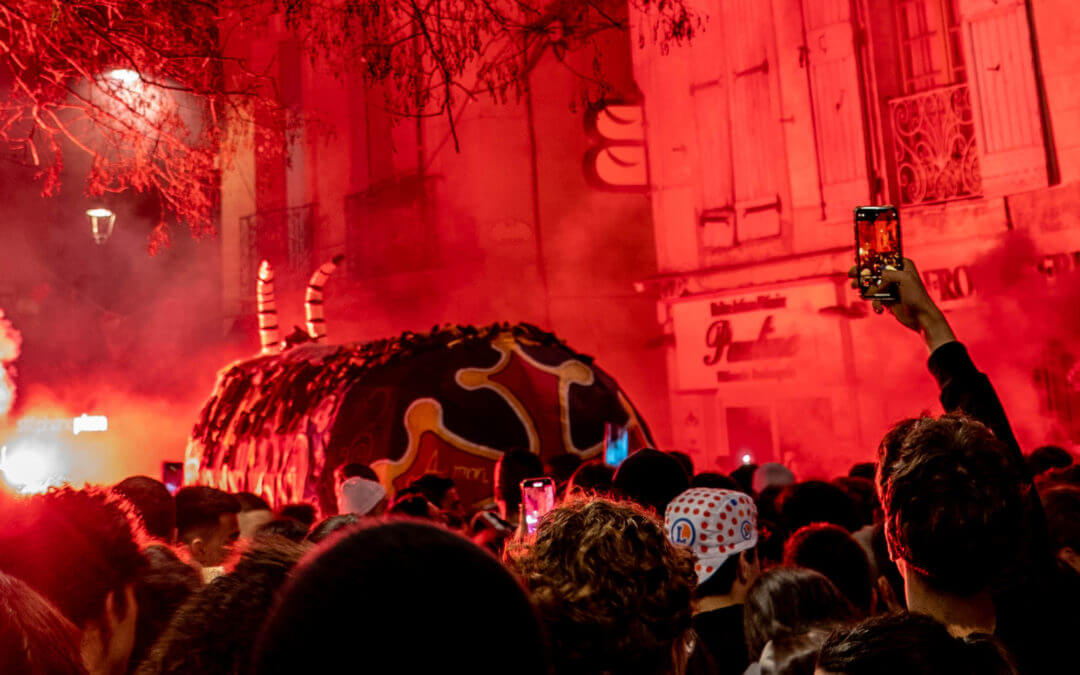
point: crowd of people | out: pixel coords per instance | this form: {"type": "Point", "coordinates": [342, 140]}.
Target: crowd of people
{"type": "Point", "coordinates": [951, 553]}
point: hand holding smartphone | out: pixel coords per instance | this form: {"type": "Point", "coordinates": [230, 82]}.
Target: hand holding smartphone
{"type": "Point", "coordinates": [537, 498]}
{"type": "Point", "coordinates": [877, 246]}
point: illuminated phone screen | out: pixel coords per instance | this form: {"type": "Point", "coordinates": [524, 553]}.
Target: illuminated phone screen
{"type": "Point", "coordinates": [616, 444]}
{"type": "Point", "coordinates": [537, 498]}
{"type": "Point", "coordinates": [877, 245]}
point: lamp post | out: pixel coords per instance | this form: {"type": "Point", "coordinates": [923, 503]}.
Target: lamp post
{"type": "Point", "coordinates": [102, 221]}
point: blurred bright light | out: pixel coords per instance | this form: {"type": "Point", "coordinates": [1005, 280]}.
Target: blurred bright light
{"type": "Point", "coordinates": [746, 459]}
{"type": "Point", "coordinates": [30, 467]}
{"type": "Point", "coordinates": [86, 422]}
{"type": "Point", "coordinates": [99, 213]}
{"type": "Point", "coordinates": [124, 75]}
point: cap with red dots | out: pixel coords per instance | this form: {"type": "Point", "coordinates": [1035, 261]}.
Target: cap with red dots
{"type": "Point", "coordinates": [715, 524]}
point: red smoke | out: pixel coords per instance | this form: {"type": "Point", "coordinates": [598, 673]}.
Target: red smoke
{"type": "Point", "coordinates": [10, 345]}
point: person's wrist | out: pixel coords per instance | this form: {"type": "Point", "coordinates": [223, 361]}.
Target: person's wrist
{"type": "Point", "coordinates": [935, 328]}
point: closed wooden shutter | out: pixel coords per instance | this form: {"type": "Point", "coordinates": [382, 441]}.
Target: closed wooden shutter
{"type": "Point", "coordinates": [836, 97]}
{"type": "Point", "coordinates": [757, 146]}
{"type": "Point", "coordinates": [1005, 97]}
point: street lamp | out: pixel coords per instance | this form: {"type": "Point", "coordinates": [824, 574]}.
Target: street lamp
{"type": "Point", "coordinates": [101, 223]}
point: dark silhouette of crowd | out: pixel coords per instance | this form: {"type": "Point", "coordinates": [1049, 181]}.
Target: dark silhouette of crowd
{"type": "Point", "coordinates": [951, 552]}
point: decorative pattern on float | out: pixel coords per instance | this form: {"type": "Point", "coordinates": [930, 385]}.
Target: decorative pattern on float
{"type": "Point", "coordinates": [449, 401]}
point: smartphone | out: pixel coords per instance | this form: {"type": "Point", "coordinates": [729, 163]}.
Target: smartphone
{"type": "Point", "coordinates": [616, 444]}
{"type": "Point", "coordinates": [537, 498]}
{"type": "Point", "coordinates": [172, 474]}
{"type": "Point", "coordinates": [877, 244]}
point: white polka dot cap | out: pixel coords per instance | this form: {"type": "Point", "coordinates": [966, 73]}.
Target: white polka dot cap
{"type": "Point", "coordinates": [715, 524]}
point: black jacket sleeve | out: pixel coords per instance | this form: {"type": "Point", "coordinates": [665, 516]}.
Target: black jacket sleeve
{"type": "Point", "coordinates": [965, 389]}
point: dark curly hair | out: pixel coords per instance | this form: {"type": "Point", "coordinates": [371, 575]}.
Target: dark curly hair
{"type": "Point", "coordinates": [955, 504]}
{"type": "Point", "coordinates": [614, 593]}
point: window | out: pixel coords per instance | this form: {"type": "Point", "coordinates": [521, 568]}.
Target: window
{"type": "Point", "coordinates": [929, 38]}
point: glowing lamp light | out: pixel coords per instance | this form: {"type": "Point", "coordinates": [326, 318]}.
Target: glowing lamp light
{"type": "Point", "coordinates": [746, 459]}
{"type": "Point", "coordinates": [86, 422]}
{"type": "Point", "coordinates": [30, 468]}
{"type": "Point", "coordinates": [102, 221]}
{"type": "Point", "coordinates": [123, 75]}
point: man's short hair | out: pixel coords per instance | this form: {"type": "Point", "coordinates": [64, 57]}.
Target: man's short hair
{"type": "Point", "coordinates": [955, 505]}
{"type": "Point", "coordinates": [1047, 458]}
{"type": "Point", "coordinates": [75, 547]}
{"type": "Point", "coordinates": [200, 507]}
{"type": "Point", "coordinates": [301, 512]}
{"type": "Point", "coordinates": [902, 643]}
{"type": "Point", "coordinates": [434, 487]}
{"type": "Point", "coordinates": [153, 504]}
{"type": "Point", "coordinates": [251, 502]}
{"type": "Point", "coordinates": [364, 592]}
{"type": "Point", "coordinates": [357, 470]}
{"type": "Point", "coordinates": [831, 550]}
{"type": "Point", "coordinates": [651, 478]}
{"type": "Point", "coordinates": [513, 467]}
{"type": "Point", "coordinates": [816, 501]}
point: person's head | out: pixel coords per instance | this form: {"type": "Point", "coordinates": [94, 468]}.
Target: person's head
{"type": "Point", "coordinates": [254, 513]}
{"type": "Point", "coordinates": [207, 523]}
{"type": "Point", "coordinates": [35, 638]}
{"type": "Point", "coordinates": [831, 550]}
{"type": "Point", "coordinates": [792, 653]}
{"type": "Point", "coordinates": [152, 503]}
{"type": "Point", "coordinates": [614, 593]}
{"type": "Point", "coordinates": [363, 497]}
{"type": "Point", "coordinates": [162, 587]}
{"type": "Point", "coordinates": [816, 501]}
{"type": "Point", "coordinates": [561, 467]}
{"type": "Point", "coordinates": [1062, 506]}
{"type": "Point", "coordinates": [955, 506]}
{"type": "Point", "coordinates": [415, 506]}
{"type": "Point", "coordinates": [890, 583]}
{"type": "Point", "coordinates": [790, 601]}
{"type": "Point", "coordinates": [329, 526]}
{"type": "Point", "coordinates": [684, 460]}
{"type": "Point", "coordinates": [78, 549]}
{"type": "Point", "coordinates": [651, 479]}
{"type": "Point", "coordinates": [214, 632]}
{"type": "Point", "coordinates": [513, 467]}
{"type": "Point", "coordinates": [863, 495]}
{"type": "Point", "coordinates": [354, 470]}
{"type": "Point", "coordinates": [371, 590]}
{"type": "Point", "coordinates": [303, 513]}
{"type": "Point", "coordinates": [1047, 458]}
{"type": "Point", "coordinates": [743, 475]}
{"type": "Point", "coordinates": [772, 474]}
{"type": "Point", "coordinates": [867, 470]}
{"type": "Point", "coordinates": [720, 529]}
{"type": "Point", "coordinates": [288, 528]}
{"type": "Point", "coordinates": [711, 479]}
{"type": "Point", "coordinates": [441, 492]}
{"type": "Point", "coordinates": [591, 478]}
{"type": "Point", "coordinates": [902, 643]}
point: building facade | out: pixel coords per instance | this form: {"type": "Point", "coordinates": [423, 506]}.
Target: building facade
{"type": "Point", "coordinates": [766, 131]}
{"type": "Point", "coordinates": [542, 216]}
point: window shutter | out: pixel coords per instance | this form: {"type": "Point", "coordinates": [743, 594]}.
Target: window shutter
{"type": "Point", "coordinates": [757, 146]}
{"type": "Point", "coordinates": [837, 101]}
{"type": "Point", "coordinates": [1006, 102]}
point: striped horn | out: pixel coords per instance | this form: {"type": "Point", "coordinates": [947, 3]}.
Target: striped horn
{"type": "Point", "coordinates": [313, 299]}
{"type": "Point", "coordinates": [269, 334]}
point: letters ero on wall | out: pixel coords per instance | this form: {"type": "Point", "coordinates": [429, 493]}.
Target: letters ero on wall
{"type": "Point", "coordinates": [450, 401]}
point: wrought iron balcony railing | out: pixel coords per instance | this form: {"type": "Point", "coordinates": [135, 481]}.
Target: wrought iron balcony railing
{"type": "Point", "coordinates": [936, 158]}
{"type": "Point", "coordinates": [282, 236]}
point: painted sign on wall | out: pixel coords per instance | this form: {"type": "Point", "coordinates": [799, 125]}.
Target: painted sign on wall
{"type": "Point", "coordinates": [755, 336]}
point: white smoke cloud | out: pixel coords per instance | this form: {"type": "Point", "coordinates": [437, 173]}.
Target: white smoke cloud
{"type": "Point", "coordinates": [10, 346]}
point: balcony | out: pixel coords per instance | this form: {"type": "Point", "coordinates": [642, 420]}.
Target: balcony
{"type": "Point", "coordinates": [935, 158]}
{"type": "Point", "coordinates": [282, 236]}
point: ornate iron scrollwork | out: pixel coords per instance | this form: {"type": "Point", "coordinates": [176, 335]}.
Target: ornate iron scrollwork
{"type": "Point", "coordinates": [936, 158]}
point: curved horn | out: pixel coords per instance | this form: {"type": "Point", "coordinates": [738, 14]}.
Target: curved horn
{"type": "Point", "coordinates": [269, 335]}
{"type": "Point", "coordinates": [313, 299]}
